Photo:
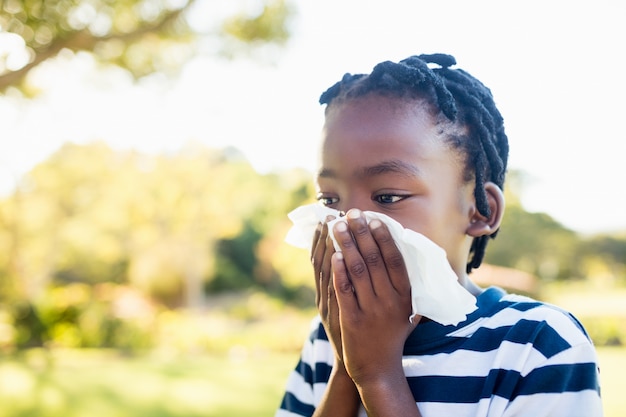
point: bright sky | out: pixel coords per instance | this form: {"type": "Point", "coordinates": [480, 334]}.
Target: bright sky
{"type": "Point", "coordinates": [555, 69]}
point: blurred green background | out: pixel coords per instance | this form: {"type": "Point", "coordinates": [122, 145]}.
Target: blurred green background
{"type": "Point", "coordinates": [141, 283]}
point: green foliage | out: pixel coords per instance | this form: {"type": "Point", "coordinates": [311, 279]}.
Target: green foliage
{"type": "Point", "coordinates": [235, 261]}
{"type": "Point", "coordinates": [606, 331]}
{"type": "Point", "coordinates": [142, 36]}
{"type": "Point", "coordinates": [266, 26]}
{"type": "Point", "coordinates": [27, 328]}
{"type": "Point", "coordinates": [80, 316]}
{"type": "Point", "coordinates": [535, 243]}
{"type": "Point", "coordinates": [612, 248]}
{"type": "Point", "coordinates": [180, 227]}
{"type": "Point", "coordinates": [167, 225]}
{"type": "Point", "coordinates": [606, 252]}
{"type": "Point", "coordinates": [251, 319]}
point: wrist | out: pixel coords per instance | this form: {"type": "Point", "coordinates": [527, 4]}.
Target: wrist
{"type": "Point", "coordinates": [388, 395]}
{"type": "Point", "coordinates": [381, 381]}
{"type": "Point", "coordinates": [339, 376]}
{"type": "Point", "coordinates": [380, 372]}
{"type": "Point", "coordinates": [341, 397]}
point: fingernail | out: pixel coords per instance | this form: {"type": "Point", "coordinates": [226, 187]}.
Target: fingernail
{"type": "Point", "coordinates": [375, 224]}
{"type": "Point", "coordinates": [354, 213]}
{"type": "Point", "coordinates": [341, 226]}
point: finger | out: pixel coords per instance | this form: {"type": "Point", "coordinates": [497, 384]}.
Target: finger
{"type": "Point", "coordinates": [325, 267]}
{"type": "Point", "coordinates": [332, 316]}
{"type": "Point", "coordinates": [343, 290]}
{"type": "Point", "coordinates": [369, 250]}
{"type": "Point", "coordinates": [392, 257]}
{"type": "Point", "coordinates": [316, 237]}
{"type": "Point", "coordinates": [317, 256]}
{"type": "Point", "coordinates": [356, 269]}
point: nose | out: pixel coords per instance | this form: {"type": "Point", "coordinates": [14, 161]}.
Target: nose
{"type": "Point", "coordinates": [363, 203]}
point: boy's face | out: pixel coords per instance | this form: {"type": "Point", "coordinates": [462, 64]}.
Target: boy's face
{"type": "Point", "coordinates": [386, 155]}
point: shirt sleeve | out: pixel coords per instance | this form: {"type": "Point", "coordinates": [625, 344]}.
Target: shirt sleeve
{"type": "Point", "coordinates": [565, 385]}
{"type": "Point", "coordinates": [562, 377]}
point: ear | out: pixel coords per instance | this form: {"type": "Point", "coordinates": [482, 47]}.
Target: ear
{"type": "Point", "coordinates": [484, 226]}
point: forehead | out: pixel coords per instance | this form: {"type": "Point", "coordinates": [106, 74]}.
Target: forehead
{"type": "Point", "coordinates": [372, 129]}
{"type": "Point", "coordinates": [385, 106]}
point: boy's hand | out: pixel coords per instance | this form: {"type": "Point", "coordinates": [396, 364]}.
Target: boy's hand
{"type": "Point", "coordinates": [325, 299]}
{"type": "Point", "coordinates": [373, 294]}
{"type": "Point", "coordinates": [341, 397]}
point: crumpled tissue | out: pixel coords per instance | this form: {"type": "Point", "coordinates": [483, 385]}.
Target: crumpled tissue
{"type": "Point", "coordinates": [435, 290]}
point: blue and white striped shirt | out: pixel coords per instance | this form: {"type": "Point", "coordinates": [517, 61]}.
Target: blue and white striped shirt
{"type": "Point", "coordinates": [513, 356]}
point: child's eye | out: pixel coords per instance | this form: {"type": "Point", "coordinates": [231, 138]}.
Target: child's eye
{"type": "Point", "coordinates": [389, 198]}
{"type": "Point", "coordinates": [328, 201]}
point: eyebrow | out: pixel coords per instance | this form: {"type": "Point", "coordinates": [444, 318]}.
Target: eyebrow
{"type": "Point", "coordinates": [393, 166]}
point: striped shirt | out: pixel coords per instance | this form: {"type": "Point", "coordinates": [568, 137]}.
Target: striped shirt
{"type": "Point", "coordinates": [513, 356]}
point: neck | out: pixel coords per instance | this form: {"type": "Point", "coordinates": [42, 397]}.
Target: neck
{"type": "Point", "coordinates": [469, 285]}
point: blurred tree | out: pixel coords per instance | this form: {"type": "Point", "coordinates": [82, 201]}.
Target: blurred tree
{"type": "Point", "coordinates": [170, 225]}
{"type": "Point", "coordinates": [609, 251]}
{"type": "Point", "coordinates": [535, 243]}
{"type": "Point", "coordinates": [142, 36]}
{"type": "Point", "coordinates": [252, 257]}
{"type": "Point", "coordinates": [611, 248]}
{"type": "Point", "coordinates": [532, 242]}
{"type": "Point", "coordinates": [174, 226]}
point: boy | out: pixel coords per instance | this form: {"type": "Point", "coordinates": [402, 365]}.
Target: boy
{"type": "Point", "coordinates": [425, 146]}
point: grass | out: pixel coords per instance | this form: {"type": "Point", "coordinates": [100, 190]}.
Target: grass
{"type": "Point", "coordinates": [244, 374]}
{"type": "Point", "coordinates": [81, 383]}
{"type": "Point", "coordinates": [612, 369]}
{"type": "Point", "coordinates": [585, 299]}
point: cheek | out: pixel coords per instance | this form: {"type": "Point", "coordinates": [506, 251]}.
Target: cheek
{"type": "Point", "coordinates": [466, 204]}
{"type": "Point", "coordinates": [419, 222]}
{"type": "Point", "coordinates": [443, 221]}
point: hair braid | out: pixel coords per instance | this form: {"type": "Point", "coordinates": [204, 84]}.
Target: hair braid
{"type": "Point", "coordinates": [462, 99]}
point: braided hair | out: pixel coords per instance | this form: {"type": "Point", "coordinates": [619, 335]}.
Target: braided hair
{"type": "Point", "coordinates": [461, 99]}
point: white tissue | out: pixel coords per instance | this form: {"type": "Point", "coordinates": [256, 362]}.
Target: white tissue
{"type": "Point", "coordinates": [435, 289]}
